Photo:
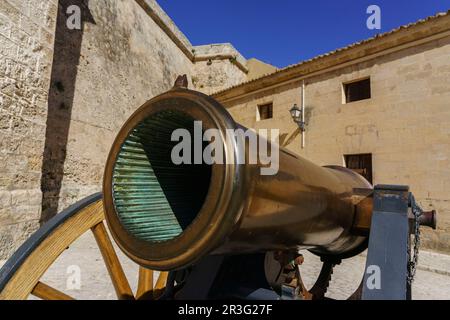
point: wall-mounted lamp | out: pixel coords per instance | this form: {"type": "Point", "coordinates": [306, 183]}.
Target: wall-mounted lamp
{"type": "Point", "coordinates": [297, 115]}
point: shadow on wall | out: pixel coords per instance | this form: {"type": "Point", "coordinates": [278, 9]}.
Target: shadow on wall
{"type": "Point", "coordinates": [66, 56]}
{"type": "Point", "coordinates": [286, 139]}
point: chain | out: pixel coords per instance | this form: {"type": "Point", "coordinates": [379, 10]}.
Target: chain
{"type": "Point", "coordinates": [412, 266]}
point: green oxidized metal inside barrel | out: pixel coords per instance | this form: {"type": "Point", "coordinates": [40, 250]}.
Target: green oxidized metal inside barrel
{"type": "Point", "coordinates": [154, 198]}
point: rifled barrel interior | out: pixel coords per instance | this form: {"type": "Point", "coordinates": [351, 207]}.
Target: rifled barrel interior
{"type": "Point", "coordinates": [167, 217]}
{"type": "Point", "coordinates": [155, 199]}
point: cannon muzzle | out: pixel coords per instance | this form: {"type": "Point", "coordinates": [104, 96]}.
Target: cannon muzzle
{"type": "Point", "coordinates": [167, 215]}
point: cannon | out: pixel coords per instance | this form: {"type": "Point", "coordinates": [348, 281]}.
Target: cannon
{"type": "Point", "coordinates": [226, 226]}
{"type": "Point", "coordinates": [167, 216]}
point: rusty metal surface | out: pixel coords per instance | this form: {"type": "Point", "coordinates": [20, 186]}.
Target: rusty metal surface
{"type": "Point", "coordinates": [428, 219]}
{"type": "Point", "coordinates": [303, 206]}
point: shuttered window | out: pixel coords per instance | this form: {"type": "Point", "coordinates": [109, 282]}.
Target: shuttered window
{"type": "Point", "coordinates": [360, 163]}
{"type": "Point", "coordinates": [265, 111]}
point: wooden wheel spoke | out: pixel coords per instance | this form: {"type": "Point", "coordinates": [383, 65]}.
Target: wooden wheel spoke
{"type": "Point", "coordinates": [40, 251]}
{"type": "Point", "coordinates": [45, 292]}
{"type": "Point", "coordinates": [145, 284]}
{"type": "Point", "coordinates": [161, 282]}
{"type": "Point", "coordinates": [115, 270]}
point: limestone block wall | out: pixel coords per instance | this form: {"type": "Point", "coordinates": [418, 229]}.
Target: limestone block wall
{"type": "Point", "coordinates": [405, 125]}
{"type": "Point", "coordinates": [125, 60]}
{"type": "Point", "coordinates": [26, 46]}
{"type": "Point", "coordinates": [216, 75]}
{"type": "Point", "coordinates": [64, 94]}
{"type": "Point", "coordinates": [258, 68]}
{"type": "Point", "coordinates": [217, 67]}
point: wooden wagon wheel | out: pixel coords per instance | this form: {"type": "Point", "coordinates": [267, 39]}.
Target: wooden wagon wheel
{"type": "Point", "coordinates": [21, 274]}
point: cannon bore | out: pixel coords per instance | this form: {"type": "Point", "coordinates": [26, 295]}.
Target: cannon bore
{"type": "Point", "coordinates": [167, 215]}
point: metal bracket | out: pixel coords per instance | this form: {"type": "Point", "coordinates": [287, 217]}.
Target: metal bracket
{"type": "Point", "coordinates": [386, 272]}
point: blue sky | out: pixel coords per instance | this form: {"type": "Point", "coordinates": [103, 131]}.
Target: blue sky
{"type": "Point", "coordinates": [284, 32]}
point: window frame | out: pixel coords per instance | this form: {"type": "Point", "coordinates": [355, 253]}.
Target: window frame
{"type": "Point", "coordinates": [369, 175]}
{"type": "Point", "coordinates": [259, 113]}
{"type": "Point", "coordinates": [345, 91]}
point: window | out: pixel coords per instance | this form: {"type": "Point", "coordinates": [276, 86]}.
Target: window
{"type": "Point", "coordinates": [360, 163]}
{"type": "Point", "coordinates": [357, 90]}
{"type": "Point", "coordinates": [265, 111]}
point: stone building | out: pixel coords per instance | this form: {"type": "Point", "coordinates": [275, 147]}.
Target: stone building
{"type": "Point", "coordinates": [380, 106]}
{"type": "Point", "coordinates": [64, 94]}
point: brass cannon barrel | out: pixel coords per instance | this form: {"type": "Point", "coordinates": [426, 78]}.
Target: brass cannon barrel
{"type": "Point", "coordinates": [167, 216]}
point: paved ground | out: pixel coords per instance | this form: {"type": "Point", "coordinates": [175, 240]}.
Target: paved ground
{"type": "Point", "coordinates": [432, 280]}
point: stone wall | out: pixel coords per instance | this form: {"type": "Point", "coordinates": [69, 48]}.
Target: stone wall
{"type": "Point", "coordinates": [405, 125]}
{"type": "Point", "coordinates": [64, 94]}
{"type": "Point", "coordinates": [217, 67]}
{"type": "Point", "coordinates": [26, 46]}
{"type": "Point", "coordinates": [125, 60]}
{"type": "Point", "coordinates": [257, 68]}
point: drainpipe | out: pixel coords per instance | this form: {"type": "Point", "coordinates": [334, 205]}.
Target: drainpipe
{"type": "Point", "coordinates": [303, 115]}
